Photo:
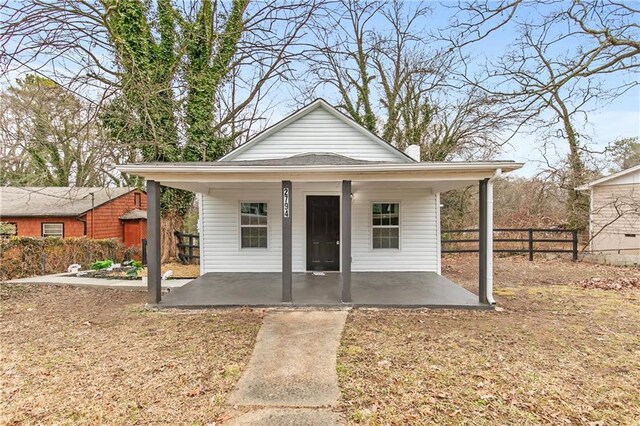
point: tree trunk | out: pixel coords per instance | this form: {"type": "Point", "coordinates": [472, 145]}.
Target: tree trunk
{"type": "Point", "coordinates": [171, 222]}
{"type": "Point", "coordinates": [578, 204]}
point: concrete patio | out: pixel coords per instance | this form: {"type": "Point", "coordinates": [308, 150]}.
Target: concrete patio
{"type": "Point", "coordinates": [369, 289]}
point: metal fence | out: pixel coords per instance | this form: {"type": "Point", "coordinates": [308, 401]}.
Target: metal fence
{"type": "Point", "coordinates": [514, 240]}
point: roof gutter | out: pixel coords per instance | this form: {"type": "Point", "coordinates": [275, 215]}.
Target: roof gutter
{"type": "Point", "coordinates": [399, 167]}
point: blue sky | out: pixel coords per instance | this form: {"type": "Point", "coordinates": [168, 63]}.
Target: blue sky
{"type": "Point", "coordinates": [620, 118]}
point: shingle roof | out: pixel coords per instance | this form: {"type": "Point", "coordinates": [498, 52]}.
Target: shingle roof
{"type": "Point", "coordinates": [310, 159]}
{"type": "Point", "coordinates": [134, 214]}
{"type": "Point", "coordinates": [54, 201]}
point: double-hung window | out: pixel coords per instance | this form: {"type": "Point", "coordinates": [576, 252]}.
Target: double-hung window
{"type": "Point", "coordinates": [53, 229]}
{"type": "Point", "coordinates": [253, 225]}
{"type": "Point", "coordinates": [385, 225]}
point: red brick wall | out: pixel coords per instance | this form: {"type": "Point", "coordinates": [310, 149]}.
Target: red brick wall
{"type": "Point", "coordinates": [32, 226]}
{"type": "Point", "coordinates": [104, 222]}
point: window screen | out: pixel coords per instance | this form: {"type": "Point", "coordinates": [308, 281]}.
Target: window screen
{"type": "Point", "coordinates": [385, 225]}
{"type": "Point", "coordinates": [253, 225]}
{"type": "Point", "coordinates": [53, 230]}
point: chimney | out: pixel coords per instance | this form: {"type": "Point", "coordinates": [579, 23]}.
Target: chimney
{"type": "Point", "coordinates": [413, 151]}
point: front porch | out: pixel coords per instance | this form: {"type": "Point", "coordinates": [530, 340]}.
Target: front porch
{"type": "Point", "coordinates": [368, 289]}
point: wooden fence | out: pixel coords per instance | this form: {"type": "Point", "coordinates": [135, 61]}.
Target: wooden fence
{"type": "Point", "coordinates": [188, 247]}
{"type": "Point", "coordinates": [506, 240]}
{"type": "Point", "coordinates": [514, 240]}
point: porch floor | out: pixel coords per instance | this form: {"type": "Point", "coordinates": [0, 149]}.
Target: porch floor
{"type": "Point", "coordinates": [368, 289]}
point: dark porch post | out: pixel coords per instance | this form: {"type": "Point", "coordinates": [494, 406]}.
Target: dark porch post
{"type": "Point", "coordinates": [287, 276]}
{"type": "Point", "coordinates": [154, 276]}
{"type": "Point", "coordinates": [346, 241]}
{"type": "Point", "coordinates": [485, 242]}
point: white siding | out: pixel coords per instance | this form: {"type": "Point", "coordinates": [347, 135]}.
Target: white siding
{"type": "Point", "coordinates": [319, 131]}
{"type": "Point", "coordinates": [615, 220]}
{"type": "Point", "coordinates": [220, 229]}
{"type": "Point", "coordinates": [418, 230]}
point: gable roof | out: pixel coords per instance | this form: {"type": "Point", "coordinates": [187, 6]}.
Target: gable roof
{"type": "Point", "coordinates": [302, 112]}
{"type": "Point", "coordinates": [609, 178]}
{"type": "Point", "coordinates": [56, 201]}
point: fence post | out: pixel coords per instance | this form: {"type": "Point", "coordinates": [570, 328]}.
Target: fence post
{"type": "Point", "coordinates": [574, 237]}
{"type": "Point", "coordinates": [190, 248]}
{"type": "Point", "coordinates": [44, 263]}
{"type": "Point", "coordinates": [530, 245]}
{"type": "Point", "coordinates": [144, 252]}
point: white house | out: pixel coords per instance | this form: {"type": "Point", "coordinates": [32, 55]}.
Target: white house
{"type": "Point", "coordinates": [317, 195]}
{"type": "Point", "coordinates": [614, 213]}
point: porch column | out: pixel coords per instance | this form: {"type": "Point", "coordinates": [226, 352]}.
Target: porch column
{"type": "Point", "coordinates": [486, 242]}
{"type": "Point", "coordinates": [287, 275]}
{"type": "Point", "coordinates": [154, 274]}
{"type": "Point", "coordinates": [346, 241]}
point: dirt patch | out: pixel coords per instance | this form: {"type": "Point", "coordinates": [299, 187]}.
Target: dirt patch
{"type": "Point", "coordinates": [94, 356]}
{"type": "Point", "coordinates": [179, 270]}
{"type": "Point", "coordinates": [556, 354]}
{"type": "Point", "coordinates": [518, 271]}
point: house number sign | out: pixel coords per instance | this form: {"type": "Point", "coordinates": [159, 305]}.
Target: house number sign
{"type": "Point", "coordinates": [285, 202]}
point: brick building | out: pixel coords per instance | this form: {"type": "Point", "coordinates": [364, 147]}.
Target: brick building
{"type": "Point", "coordinates": [118, 213]}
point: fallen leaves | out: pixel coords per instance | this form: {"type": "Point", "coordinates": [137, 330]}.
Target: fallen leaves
{"type": "Point", "coordinates": [93, 356]}
{"type": "Point", "coordinates": [563, 355]}
{"type": "Point", "coordinates": [617, 283]}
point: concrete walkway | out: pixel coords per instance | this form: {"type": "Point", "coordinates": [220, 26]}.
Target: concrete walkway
{"type": "Point", "coordinates": [291, 378]}
{"type": "Point", "coordinates": [65, 279]}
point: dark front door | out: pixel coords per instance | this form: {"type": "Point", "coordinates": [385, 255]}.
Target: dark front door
{"type": "Point", "coordinates": [323, 233]}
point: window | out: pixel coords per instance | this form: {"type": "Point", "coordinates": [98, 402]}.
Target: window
{"type": "Point", "coordinates": [385, 225]}
{"type": "Point", "coordinates": [53, 230]}
{"type": "Point", "coordinates": [8, 229]}
{"type": "Point", "coordinates": [137, 199]}
{"type": "Point", "coordinates": [253, 225]}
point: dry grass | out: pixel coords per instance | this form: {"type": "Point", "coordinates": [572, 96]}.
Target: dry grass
{"type": "Point", "coordinates": [557, 354]}
{"type": "Point", "coordinates": [94, 356]}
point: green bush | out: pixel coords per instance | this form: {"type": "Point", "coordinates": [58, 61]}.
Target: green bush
{"type": "Point", "coordinates": [101, 264]}
{"type": "Point", "coordinates": [22, 256]}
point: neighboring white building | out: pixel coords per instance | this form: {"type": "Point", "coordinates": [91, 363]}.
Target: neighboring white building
{"type": "Point", "coordinates": [614, 213]}
{"type": "Point", "coordinates": [318, 192]}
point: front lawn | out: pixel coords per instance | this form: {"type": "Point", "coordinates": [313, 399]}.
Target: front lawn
{"type": "Point", "coordinates": [557, 354]}
{"type": "Point", "coordinates": [94, 356]}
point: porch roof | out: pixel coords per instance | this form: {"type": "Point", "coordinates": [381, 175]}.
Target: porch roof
{"type": "Point", "coordinates": [201, 176]}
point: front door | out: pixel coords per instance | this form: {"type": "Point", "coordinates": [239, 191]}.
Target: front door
{"type": "Point", "coordinates": [323, 233]}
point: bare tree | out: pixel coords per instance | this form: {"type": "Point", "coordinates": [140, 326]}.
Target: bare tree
{"type": "Point", "coordinates": [163, 69]}
{"type": "Point", "coordinates": [390, 78]}
{"type": "Point", "coordinates": [570, 60]}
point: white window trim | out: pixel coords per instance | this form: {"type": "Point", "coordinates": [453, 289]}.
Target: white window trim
{"type": "Point", "coordinates": [240, 226]}
{"type": "Point", "coordinates": [51, 223]}
{"type": "Point", "coordinates": [371, 226]}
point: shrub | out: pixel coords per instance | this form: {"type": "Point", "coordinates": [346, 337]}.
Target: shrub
{"type": "Point", "coordinates": [23, 256]}
{"type": "Point", "coordinates": [101, 264]}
